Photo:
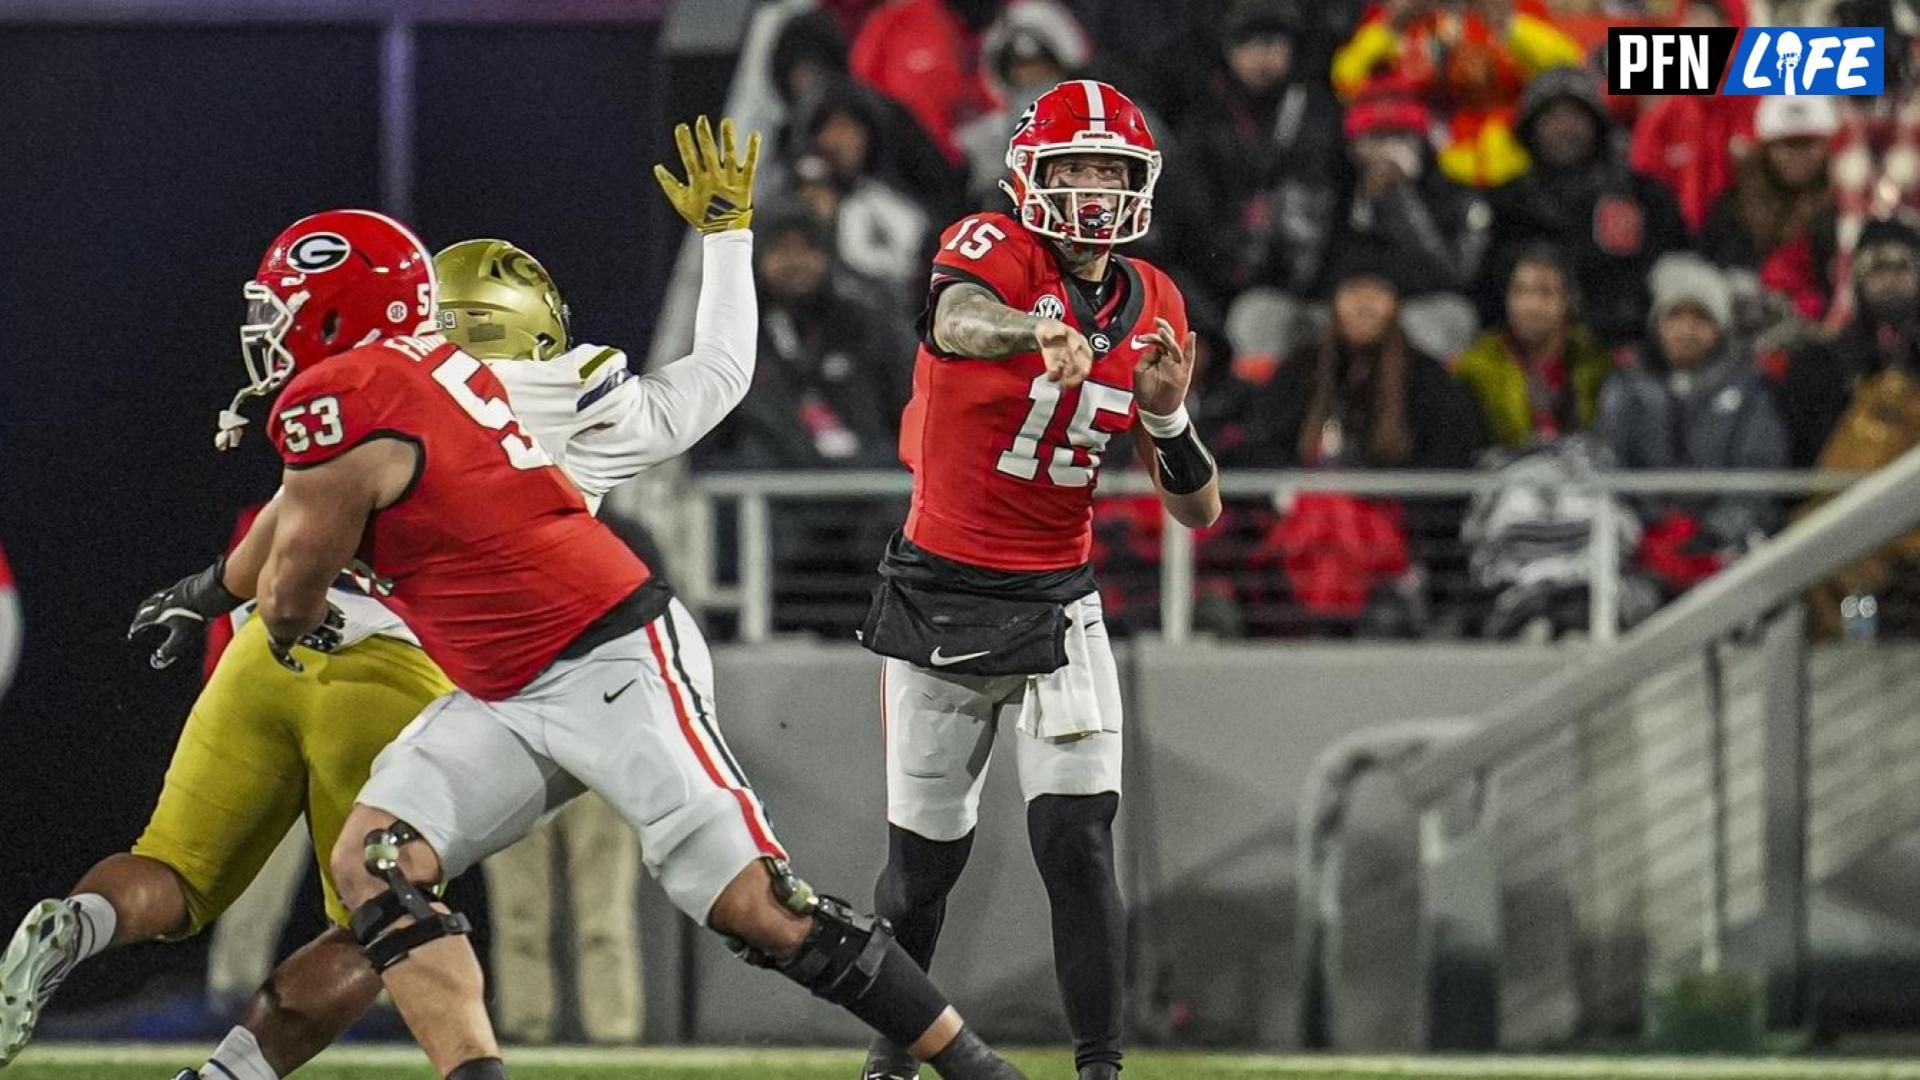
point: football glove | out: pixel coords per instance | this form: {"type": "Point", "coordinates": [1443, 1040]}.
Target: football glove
{"type": "Point", "coordinates": [183, 610]}
{"type": "Point", "coordinates": [718, 194]}
{"type": "Point", "coordinates": [324, 638]}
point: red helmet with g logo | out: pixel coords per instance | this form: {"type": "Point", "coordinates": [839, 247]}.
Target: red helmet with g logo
{"type": "Point", "coordinates": [331, 282]}
{"type": "Point", "coordinates": [1078, 118]}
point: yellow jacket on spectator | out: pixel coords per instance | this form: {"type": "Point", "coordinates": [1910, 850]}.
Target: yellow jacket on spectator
{"type": "Point", "coordinates": [1492, 369]}
{"type": "Point", "coordinates": [1472, 70]}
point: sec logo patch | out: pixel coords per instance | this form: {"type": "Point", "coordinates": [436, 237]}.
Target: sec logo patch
{"type": "Point", "coordinates": [1049, 307]}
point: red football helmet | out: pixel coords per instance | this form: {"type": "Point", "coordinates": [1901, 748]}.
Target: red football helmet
{"type": "Point", "coordinates": [1083, 117]}
{"type": "Point", "coordinates": [331, 282]}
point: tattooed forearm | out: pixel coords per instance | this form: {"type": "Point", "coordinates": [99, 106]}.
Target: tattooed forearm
{"type": "Point", "coordinates": [968, 321]}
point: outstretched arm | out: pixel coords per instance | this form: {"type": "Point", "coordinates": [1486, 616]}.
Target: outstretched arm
{"type": "Point", "coordinates": [659, 416]}
{"type": "Point", "coordinates": [632, 425]}
{"type": "Point", "coordinates": [969, 322]}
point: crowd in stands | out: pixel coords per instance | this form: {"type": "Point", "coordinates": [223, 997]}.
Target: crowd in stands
{"type": "Point", "coordinates": [1414, 234]}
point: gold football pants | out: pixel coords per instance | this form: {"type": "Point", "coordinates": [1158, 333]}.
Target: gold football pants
{"type": "Point", "coordinates": [264, 745]}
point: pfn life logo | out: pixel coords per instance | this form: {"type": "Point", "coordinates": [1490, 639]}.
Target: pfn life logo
{"type": "Point", "coordinates": [1757, 60]}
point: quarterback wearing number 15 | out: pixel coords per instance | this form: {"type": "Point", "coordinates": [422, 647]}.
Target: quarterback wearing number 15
{"type": "Point", "coordinates": [1039, 343]}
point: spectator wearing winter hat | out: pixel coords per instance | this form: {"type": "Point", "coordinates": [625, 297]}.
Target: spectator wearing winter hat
{"type": "Point", "coordinates": [1876, 156]}
{"type": "Point", "coordinates": [1538, 375]}
{"type": "Point", "coordinates": [1692, 142]}
{"type": "Point", "coordinates": [1472, 60]}
{"type": "Point", "coordinates": [1687, 400]}
{"type": "Point", "coordinates": [1780, 190]}
{"type": "Point", "coordinates": [1252, 192]}
{"type": "Point", "coordinates": [1884, 333]}
{"type": "Point", "coordinates": [1435, 230]}
{"type": "Point", "coordinates": [1037, 45]}
{"type": "Point", "coordinates": [1580, 196]}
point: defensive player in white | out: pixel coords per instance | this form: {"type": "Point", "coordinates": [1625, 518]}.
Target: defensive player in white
{"type": "Point", "coordinates": [601, 423]}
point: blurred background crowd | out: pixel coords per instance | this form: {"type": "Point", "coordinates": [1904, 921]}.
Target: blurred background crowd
{"type": "Point", "coordinates": [1417, 241]}
{"type": "Point", "coordinates": [1411, 235]}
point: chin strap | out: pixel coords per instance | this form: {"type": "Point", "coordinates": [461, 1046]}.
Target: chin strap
{"type": "Point", "coordinates": [232, 423]}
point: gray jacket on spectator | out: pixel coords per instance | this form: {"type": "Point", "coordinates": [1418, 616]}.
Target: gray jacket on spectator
{"type": "Point", "coordinates": [1716, 413]}
{"type": "Point", "coordinates": [1719, 416]}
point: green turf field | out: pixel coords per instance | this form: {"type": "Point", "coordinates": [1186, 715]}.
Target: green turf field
{"type": "Point", "coordinates": [106, 1062]}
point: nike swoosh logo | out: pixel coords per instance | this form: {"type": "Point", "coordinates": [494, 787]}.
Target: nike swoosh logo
{"type": "Point", "coordinates": [942, 661]}
{"type": "Point", "coordinates": [608, 698]}
{"type": "Point", "coordinates": [1142, 342]}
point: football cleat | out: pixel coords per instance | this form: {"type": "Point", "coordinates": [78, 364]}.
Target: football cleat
{"type": "Point", "coordinates": [37, 959]}
{"type": "Point", "coordinates": [886, 1061]}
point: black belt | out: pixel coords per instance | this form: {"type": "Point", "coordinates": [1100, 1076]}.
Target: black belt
{"type": "Point", "coordinates": [635, 610]}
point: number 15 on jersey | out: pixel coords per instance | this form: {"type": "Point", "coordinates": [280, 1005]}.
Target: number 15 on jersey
{"type": "Point", "coordinates": [1024, 457]}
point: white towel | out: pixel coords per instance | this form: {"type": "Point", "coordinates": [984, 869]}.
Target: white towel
{"type": "Point", "coordinates": [1065, 704]}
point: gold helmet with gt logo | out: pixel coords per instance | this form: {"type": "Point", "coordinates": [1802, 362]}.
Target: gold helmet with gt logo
{"type": "Point", "coordinates": [498, 303]}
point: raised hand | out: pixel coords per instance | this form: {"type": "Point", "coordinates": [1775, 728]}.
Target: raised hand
{"type": "Point", "coordinates": [718, 193]}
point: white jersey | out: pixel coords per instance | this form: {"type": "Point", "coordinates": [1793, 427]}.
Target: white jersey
{"type": "Point", "coordinates": [602, 424]}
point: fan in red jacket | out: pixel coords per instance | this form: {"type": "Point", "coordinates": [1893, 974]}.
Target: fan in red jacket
{"type": "Point", "coordinates": [925, 54]}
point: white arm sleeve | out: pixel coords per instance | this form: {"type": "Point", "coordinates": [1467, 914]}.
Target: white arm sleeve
{"type": "Point", "coordinates": [642, 422]}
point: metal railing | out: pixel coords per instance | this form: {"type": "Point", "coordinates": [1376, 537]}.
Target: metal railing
{"type": "Point", "coordinates": [750, 593]}
{"type": "Point", "coordinates": [1668, 797]}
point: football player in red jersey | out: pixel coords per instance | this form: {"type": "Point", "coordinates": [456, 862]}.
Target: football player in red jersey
{"type": "Point", "coordinates": [1040, 342]}
{"type": "Point", "coordinates": [575, 669]}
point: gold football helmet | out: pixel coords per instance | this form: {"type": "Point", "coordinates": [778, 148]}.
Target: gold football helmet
{"type": "Point", "coordinates": [498, 303]}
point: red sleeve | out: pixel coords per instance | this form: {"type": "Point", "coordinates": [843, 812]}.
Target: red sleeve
{"type": "Point", "coordinates": [331, 408]}
{"type": "Point", "coordinates": [991, 251]}
{"type": "Point", "coordinates": [6, 572]}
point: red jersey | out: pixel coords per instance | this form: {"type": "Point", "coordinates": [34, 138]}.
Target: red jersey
{"type": "Point", "coordinates": [6, 572]}
{"type": "Point", "coordinates": [1004, 461]}
{"type": "Point", "coordinates": [490, 556]}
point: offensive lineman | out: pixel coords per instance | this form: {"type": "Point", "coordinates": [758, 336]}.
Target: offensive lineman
{"type": "Point", "coordinates": [260, 738]}
{"type": "Point", "coordinates": [1040, 343]}
{"type": "Point", "coordinates": [576, 669]}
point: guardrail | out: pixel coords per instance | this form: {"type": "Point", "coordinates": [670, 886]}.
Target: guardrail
{"type": "Point", "coordinates": [751, 594]}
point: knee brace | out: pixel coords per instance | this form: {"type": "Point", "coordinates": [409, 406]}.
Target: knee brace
{"type": "Point", "coordinates": [372, 922]}
{"type": "Point", "coordinates": [841, 958]}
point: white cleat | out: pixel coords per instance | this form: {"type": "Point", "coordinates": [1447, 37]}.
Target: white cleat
{"type": "Point", "coordinates": [37, 959]}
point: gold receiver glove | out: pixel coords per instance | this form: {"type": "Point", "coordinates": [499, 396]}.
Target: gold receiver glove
{"type": "Point", "coordinates": [718, 194]}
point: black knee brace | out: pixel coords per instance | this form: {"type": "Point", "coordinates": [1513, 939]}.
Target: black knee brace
{"type": "Point", "coordinates": [372, 921]}
{"type": "Point", "coordinates": [843, 952]}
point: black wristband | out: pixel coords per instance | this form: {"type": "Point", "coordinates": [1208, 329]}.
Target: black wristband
{"type": "Point", "coordinates": [207, 594]}
{"type": "Point", "coordinates": [1185, 465]}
